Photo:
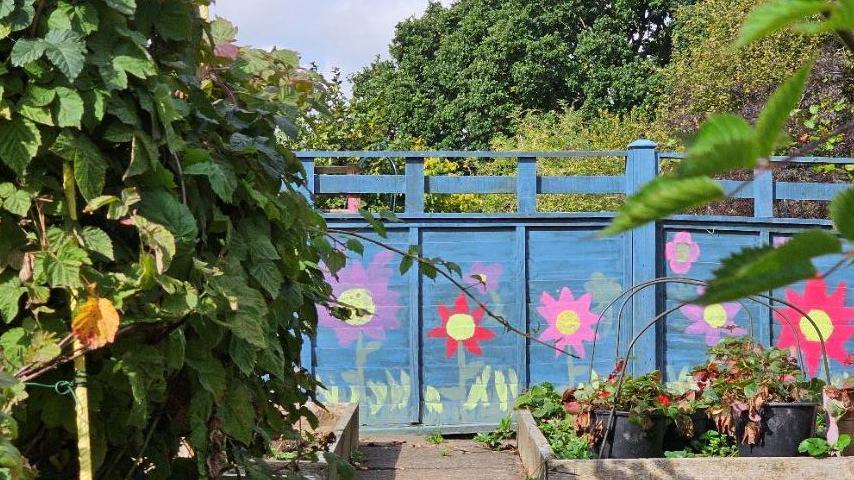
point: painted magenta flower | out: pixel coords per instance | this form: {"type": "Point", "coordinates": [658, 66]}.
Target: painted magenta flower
{"type": "Point", "coordinates": [712, 321]}
{"type": "Point", "coordinates": [570, 320]}
{"type": "Point", "coordinates": [485, 277]}
{"type": "Point", "coordinates": [830, 314]}
{"type": "Point", "coordinates": [681, 252]}
{"type": "Point", "coordinates": [365, 288]}
{"type": "Point", "coordinates": [461, 326]}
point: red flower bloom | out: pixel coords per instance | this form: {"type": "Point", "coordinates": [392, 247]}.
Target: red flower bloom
{"type": "Point", "coordinates": [461, 326]}
{"type": "Point", "coordinates": [664, 400]}
{"type": "Point", "coordinates": [831, 316]}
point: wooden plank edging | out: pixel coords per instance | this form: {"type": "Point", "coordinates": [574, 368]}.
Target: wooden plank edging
{"type": "Point", "coordinates": [539, 462]}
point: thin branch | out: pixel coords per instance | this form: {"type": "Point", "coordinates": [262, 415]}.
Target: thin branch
{"type": "Point", "coordinates": [142, 449]}
{"type": "Point", "coordinates": [421, 260]}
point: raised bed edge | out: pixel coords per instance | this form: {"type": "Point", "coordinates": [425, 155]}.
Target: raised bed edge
{"type": "Point", "coordinates": [539, 462]}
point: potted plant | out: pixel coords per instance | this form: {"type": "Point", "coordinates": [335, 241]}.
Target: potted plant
{"type": "Point", "coordinates": [691, 421]}
{"type": "Point", "coordinates": [643, 409]}
{"type": "Point", "coordinates": [759, 396]}
{"type": "Point", "coordinates": [838, 403]}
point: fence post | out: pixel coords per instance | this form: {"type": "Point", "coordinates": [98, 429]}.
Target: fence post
{"type": "Point", "coordinates": [308, 192]}
{"type": "Point", "coordinates": [763, 194]}
{"type": "Point", "coordinates": [642, 167]}
{"type": "Point", "coordinates": [414, 185]}
{"type": "Point", "coordinates": [526, 185]}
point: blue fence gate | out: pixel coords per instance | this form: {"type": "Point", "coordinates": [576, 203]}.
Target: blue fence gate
{"type": "Point", "coordinates": [421, 353]}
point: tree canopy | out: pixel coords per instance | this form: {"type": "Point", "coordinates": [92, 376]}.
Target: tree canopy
{"type": "Point", "coordinates": [458, 74]}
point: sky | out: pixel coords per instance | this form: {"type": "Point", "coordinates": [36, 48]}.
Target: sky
{"type": "Point", "coordinates": [347, 34]}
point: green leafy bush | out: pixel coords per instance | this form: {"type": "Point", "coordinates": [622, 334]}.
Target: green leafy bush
{"type": "Point", "coordinates": [144, 197]}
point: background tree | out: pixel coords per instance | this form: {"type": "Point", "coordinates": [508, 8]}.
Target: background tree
{"type": "Point", "coordinates": [458, 74]}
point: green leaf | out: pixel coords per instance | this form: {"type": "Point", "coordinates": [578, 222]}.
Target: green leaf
{"type": "Point", "coordinates": [27, 50]}
{"type": "Point", "coordinates": [210, 371]}
{"type": "Point", "coordinates": [89, 165]}
{"type": "Point", "coordinates": [773, 16]}
{"type": "Point", "coordinates": [125, 7]}
{"type": "Point", "coordinates": [662, 197]}
{"type": "Point", "coordinates": [407, 260]}
{"type": "Point", "coordinates": [19, 142]}
{"type": "Point", "coordinates": [243, 354]}
{"type": "Point", "coordinates": [66, 50]}
{"type": "Point", "coordinates": [174, 22]}
{"type": "Point", "coordinates": [724, 142]}
{"type": "Point", "coordinates": [96, 240]}
{"type": "Point", "coordinates": [18, 203]}
{"type": "Point", "coordinates": [163, 207]}
{"type": "Point", "coordinates": [375, 223]}
{"type": "Point", "coordinates": [355, 246]}
{"type": "Point", "coordinates": [69, 109]}
{"type": "Point", "coordinates": [6, 7]}
{"type": "Point", "coordinates": [773, 117]}
{"type": "Point", "coordinates": [221, 177]}
{"type": "Point", "coordinates": [268, 276]}
{"type": "Point", "coordinates": [842, 213]}
{"type": "Point", "coordinates": [40, 115]}
{"type": "Point", "coordinates": [238, 414]}
{"type": "Point", "coordinates": [10, 296]}
{"type": "Point", "coordinates": [39, 96]}
{"type": "Point", "coordinates": [158, 239]}
{"type": "Point", "coordinates": [136, 62]}
{"type": "Point", "coordinates": [761, 269]}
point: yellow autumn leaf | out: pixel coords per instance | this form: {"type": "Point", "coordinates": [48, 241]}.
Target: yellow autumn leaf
{"type": "Point", "coordinates": [95, 323]}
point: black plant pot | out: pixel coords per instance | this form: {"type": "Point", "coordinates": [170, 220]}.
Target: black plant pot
{"type": "Point", "coordinates": [674, 441]}
{"type": "Point", "coordinates": [784, 426]}
{"type": "Point", "coordinates": [629, 440]}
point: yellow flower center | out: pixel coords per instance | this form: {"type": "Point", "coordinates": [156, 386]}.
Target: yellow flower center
{"type": "Point", "coordinates": [715, 315]}
{"type": "Point", "coordinates": [460, 326]}
{"type": "Point", "coordinates": [361, 299]}
{"type": "Point", "coordinates": [568, 322]}
{"type": "Point", "coordinates": [822, 321]}
{"type": "Point", "coordinates": [683, 252]}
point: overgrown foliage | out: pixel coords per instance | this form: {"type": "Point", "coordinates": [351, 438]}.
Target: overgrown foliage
{"type": "Point", "coordinates": [142, 189]}
{"type": "Point", "coordinates": [728, 142]}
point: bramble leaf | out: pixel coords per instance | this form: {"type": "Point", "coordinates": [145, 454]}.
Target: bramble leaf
{"type": "Point", "coordinates": [842, 213]}
{"type": "Point", "coordinates": [18, 203]}
{"type": "Point", "coordinates": [662, 197]}
{"type": "Point", "coordinates": [773, 117]}
{"type": "Point", "coordinates": [95, 323]}
{"type": "Point", "coordinates": [27, 50]}
{"type": "Point", "coordinates": [96, 240]}
{"type": "Point", "coordinates": [757, 270]}
{"type": "Point", "coordinates": [89, 165]}
{"type": "Point", "coordinates": [66, 50]}
{"type": "Point", "coordinates": [773, 16]}
{"type": "Point", "coordinates": [19, 142]}
{"type": "Point", "coordinates": [221, 177]}
{"type": "Point", "coordinates": [724, 142]}
{"type": "Point", "coordinates": [69, 109]}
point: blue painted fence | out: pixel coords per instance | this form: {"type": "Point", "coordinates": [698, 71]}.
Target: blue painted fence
{"type": "Point", "coordinates": [422, 354]}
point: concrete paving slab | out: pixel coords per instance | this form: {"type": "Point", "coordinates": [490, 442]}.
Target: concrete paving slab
{"type": "Point", "coordinates": [388, 457]}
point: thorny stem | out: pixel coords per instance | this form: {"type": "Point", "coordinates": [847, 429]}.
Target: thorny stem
{"type": "Point", "coordinates": [465, 289]}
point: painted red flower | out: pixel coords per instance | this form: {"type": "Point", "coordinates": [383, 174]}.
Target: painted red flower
{"type": "Point", "coordinates": [830, 314]}
{"type": "Point", "coordinates": [461, 326]}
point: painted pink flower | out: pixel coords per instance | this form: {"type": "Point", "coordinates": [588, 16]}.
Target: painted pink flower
{"type": "Point", "coordinates": [780, 241]}
{"type": "Point", "coordinates": [365, 288]}
{"type": "Point", "coordinates": [831, 316]}
{"type": "Point", "coordinates": [681, 252]}
{"type": "Point", "coordinates": [712, 321]}
{"type": "Point", "coordinates": [485, 277]}
{"type": "Point", "coordinates": [570, 320]}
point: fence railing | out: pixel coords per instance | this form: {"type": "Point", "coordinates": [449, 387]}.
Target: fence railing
{"type": "Point", "coordinates": [642, 163]}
